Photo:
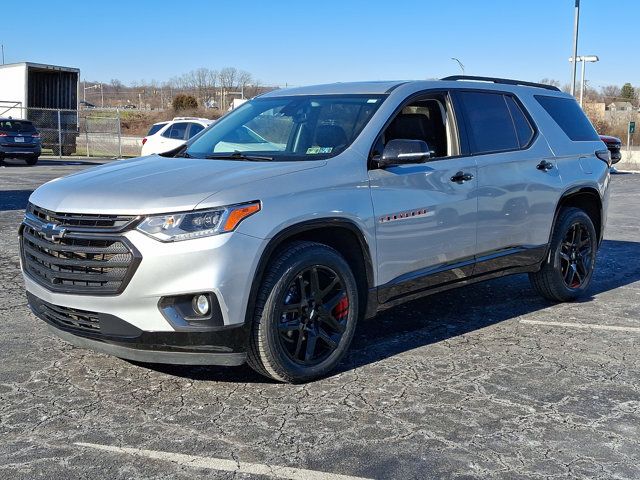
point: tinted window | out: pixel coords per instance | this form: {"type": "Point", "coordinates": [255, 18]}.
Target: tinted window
{"type": "Point", "coordinates": [569, 116]}
{"type": "Point", "coordinates": [16, 126]}
{"type": "Point", "coordinates": [176, 131]}
{"type": "Point", "coordinates": [524, 130]}
{"type": "Point", "coordinates": [155, 128]}
{"type": "Point", "coordinates": [195, 128]}
{"type": "Point", "coordinates": [489, 124]}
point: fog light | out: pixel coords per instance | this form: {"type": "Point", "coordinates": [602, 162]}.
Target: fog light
{"type": "Point", "coordinates": [201, 304]}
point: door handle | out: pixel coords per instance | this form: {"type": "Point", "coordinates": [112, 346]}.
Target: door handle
{"type": "Point", "coordinates": [544, 166]}
{"type": "Point", "coordinates": [461, 177]}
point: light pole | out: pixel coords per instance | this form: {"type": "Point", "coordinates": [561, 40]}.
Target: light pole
{"type": "Point", "coordinates": [91, 87]}
{"type": "Point", "coordinates": [584, 59]}
{"type": "Point", "coordinates": [459, 63]}
{"type": "Point", "coordinates": [575, 46]}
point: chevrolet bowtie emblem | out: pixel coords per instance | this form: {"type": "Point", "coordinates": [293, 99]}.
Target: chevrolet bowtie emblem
{"type": "Point", "coordinates": [52, 232]}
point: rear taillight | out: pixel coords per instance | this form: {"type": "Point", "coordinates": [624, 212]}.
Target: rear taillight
{"type": "Point", "coordinates": [2, 134]}
{"type": "Point", "coordinates": [35, 135]}
{"type": "Point", "coordinates": [604, 155]}
{"type": "Point", "coordinates": [144, 140]}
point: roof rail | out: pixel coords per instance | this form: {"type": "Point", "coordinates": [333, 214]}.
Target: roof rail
{"type": "Point", "coordinates": [504, 81]}
{"type": "Point", "coordinates": [189, 118]}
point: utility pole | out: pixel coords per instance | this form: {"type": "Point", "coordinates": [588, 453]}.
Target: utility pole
{"type": "Point", "coordinates": [102, 94]}
{"type": "Point", "coordinates": [2, 53]}
{"type": "Point", "coordinates": [575, 47]}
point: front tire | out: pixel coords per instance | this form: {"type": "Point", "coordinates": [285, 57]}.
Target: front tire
{"type": "Point", "coordinates": [305, 315]}
{"type": "Point", "coordinates": [568, 269]}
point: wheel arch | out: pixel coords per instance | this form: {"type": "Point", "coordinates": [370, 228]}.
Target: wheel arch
{"type": "Point", "coordinates": [585, 198]}
{"type": "Point", "coordinates": [343, 235]}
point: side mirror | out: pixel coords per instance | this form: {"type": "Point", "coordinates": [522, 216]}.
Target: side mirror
{"type": "Point", "coordinates": [401, 152]}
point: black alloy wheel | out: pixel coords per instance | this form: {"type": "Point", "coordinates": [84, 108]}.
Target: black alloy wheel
{"type": "Point", "coordinates": [576, 255]}
{"type": "Point", "coordinates": [567, 269]}
{"type": "Point", "coordinates": [305, 315]}
{"type": "Point", "coordinates": [313, 315]}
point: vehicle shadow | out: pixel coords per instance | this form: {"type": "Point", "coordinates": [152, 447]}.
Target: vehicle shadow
{"type": "Point", "coordinates": [14, 199]}
{"type": "Point", "coordinates": [17, 163]}
{"type": "Point", "coordinates": [446, 315]}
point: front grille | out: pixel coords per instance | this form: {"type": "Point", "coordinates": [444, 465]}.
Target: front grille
{"type": "Point", "coordinates": [78, 263]}
{"type": "Point", "coordinates": [70, 318]}
{"type": "Point", "coordinates": [82, 222]}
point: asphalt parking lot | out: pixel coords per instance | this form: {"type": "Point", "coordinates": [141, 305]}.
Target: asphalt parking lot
{"type": "Point", "coordinates": [489, 381]}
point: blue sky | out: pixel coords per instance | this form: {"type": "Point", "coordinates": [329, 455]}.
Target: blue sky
{"type": "Point", "coordinates": [304, 42]}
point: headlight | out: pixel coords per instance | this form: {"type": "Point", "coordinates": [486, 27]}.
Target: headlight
{"type": "Point", "coordinates": [173, 227]}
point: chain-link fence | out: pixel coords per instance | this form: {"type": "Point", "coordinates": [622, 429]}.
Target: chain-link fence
{"type": "Point", "coordinates": [89, 132]}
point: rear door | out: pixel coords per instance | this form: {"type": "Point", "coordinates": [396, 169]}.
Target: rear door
{"type": "Point", "coordinates": [174, 136]}
{"type": "Point", "coordinates": [425, 213]}
{"type": "Point", "coordinates": [518, 180]}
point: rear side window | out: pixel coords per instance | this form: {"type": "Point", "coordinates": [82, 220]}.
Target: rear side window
{"type": "Point", "coordinates": [489, 123]}
{"type": "Point", "coordinates": [16, 126]}
{"type": "Point", "coordinates": [570, 118]}
{"type": "Point", "coordinates": [155, 128]}
{"type": "Point", "coordinates": [176, 131]}
{"type": "Point", "coordinates": [524, 130]}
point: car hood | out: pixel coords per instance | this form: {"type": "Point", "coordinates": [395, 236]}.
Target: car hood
{"type": "Point", "coordinates": [154, 184]}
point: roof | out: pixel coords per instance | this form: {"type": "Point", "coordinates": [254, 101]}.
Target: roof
{"type": "Point", "coordinates": [14, 119]}
{"type": "Point", "coordinates": [621, 104]}
{"type": "Point", "coordinates": [365, 88]}
{"type": "Point", "coordinates": [384, 87]}
{"type": "Point", "coordinates": [41, 66]}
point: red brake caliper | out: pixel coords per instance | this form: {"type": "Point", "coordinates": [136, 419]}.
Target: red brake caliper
{"type": "Point", "coordinates": [342, 309]}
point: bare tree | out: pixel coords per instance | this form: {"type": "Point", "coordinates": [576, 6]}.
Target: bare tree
{"type": "Point", "coordinates": [610, 93]}
{"type": "Point", "coordinates": [117, 85]}
{"type": "Point", "coordinates": [550, 81]}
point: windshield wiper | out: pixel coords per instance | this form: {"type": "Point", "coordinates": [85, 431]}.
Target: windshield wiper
{"type": "Point", "coordinates": [239, 156]}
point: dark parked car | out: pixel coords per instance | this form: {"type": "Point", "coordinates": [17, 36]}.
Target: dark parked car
{"type": "Point", "coordinates": [19, 139]}
{"type": "Point", "coordinates": [613, 145]}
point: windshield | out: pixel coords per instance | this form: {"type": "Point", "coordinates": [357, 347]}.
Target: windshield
{"type": "Point", "coordinates": [288, 128]}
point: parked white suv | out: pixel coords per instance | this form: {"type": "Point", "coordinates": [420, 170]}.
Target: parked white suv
{"type": "Point", "coordinates": [166, 136]}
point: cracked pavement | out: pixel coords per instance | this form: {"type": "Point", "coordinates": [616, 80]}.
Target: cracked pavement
{"type": "Point", "coordinates": [450, 386]}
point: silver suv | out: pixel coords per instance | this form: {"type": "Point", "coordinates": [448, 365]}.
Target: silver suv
{"type": "Point", "coordinates": [271, 233]}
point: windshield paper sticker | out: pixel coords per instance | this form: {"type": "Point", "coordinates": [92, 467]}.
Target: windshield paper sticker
{"type": "Point", "coordinates": [317, 150]}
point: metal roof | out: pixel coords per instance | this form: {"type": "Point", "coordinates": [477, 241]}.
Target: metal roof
{"type": "Point", "coordinates": [42, 66]}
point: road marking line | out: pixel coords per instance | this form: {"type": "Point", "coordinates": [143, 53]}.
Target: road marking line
{"type": "Point", "coordinates": [583, 325]}
{"type": "Point", "coordinates": [224, 465]}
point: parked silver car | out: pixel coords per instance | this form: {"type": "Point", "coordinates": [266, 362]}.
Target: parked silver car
{"type": "Point", "coordinates": [267, 237]}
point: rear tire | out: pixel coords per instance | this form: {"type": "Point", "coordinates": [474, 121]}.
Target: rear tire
{"type": "Point", "coordinates": [567, 271]}
{"type": "Point", "coordinates": [32, 160]}
{"type": "Point", "coordinates": [305, 314]}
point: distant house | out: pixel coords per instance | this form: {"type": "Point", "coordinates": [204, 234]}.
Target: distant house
{"type": "Point", "coordinates": [620, 107]}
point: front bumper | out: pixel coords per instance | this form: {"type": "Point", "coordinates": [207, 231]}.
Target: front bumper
{"type": "Point", "coordinates": [222, 264]}
{"type": "Point", "coordinates": [220, 346]}
{"type": "Point", "coordinates": [133, 325]}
